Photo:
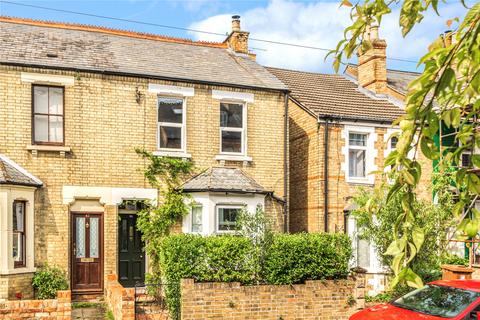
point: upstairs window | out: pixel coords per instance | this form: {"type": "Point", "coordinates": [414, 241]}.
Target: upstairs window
{"type": "Point", "coordinates": [19, 247]}
{"type": "Point", "coordinates": [357, 154]}
{"type": "Point", "coordinates": [171, 124]}
{"type": "Point", "coordinates": [232, 128]}
{"type": "Point", "coordinates": [48, 114]}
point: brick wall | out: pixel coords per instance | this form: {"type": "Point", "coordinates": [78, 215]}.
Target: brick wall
{"type": "Point", "coordinates": [59, 308]}
{"type": "Point", "coordinates": [16, 286]}
{"type": "Point", "coordinates": [313, 300]}
{"type": "Point", "coordinates": [103, 125]}
{"type": "Point", "coordinates": [119, 300]}
{"type": "Point", "coordinates": [307, 172]}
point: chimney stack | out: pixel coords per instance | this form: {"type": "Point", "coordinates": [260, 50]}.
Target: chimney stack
{"type": "Point", "coordinates": [238, 40]}
{"type": "Point", "coordinates": [372, 63]}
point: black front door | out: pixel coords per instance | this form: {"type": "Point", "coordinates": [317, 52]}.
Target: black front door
{"type": "Point", "coordinates": [131, 258]}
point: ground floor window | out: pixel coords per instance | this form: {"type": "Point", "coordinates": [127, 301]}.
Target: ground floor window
{"type": "Point", "coordinates": [227, 217]}
{"type": "Point", "coordinates": [19, 234]}
{"type": "Point", "coordinates": [197, 217]}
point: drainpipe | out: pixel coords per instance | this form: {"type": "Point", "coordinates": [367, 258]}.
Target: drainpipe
{"type": "Point", "coordinates": [286, 218]}
{"type": "Point", "coordinates": [325, 176]}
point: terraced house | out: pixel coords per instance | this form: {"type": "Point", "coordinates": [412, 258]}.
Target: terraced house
{"type": "Point", "coordinates": [76, 100]}
{"type": "Point", "coordinates": [340, 133]}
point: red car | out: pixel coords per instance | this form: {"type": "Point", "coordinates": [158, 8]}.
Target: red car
{"type": "Point", "coordinates": [443, 299]}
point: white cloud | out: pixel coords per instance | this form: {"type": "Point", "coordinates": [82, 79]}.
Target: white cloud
{"type": "Point", "coordinates": [320, 24]}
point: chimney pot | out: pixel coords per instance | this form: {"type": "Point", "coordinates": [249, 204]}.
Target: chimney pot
{"type": "Point", "coordinates": [374, 32]}
{"type": "Point", "coordinates": [236, 23]}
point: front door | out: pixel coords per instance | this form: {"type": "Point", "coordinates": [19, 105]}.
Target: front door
{"type": "Point", "coordinates": [131, 258]}
{"type": "Point", "coordinates": [87, 252]}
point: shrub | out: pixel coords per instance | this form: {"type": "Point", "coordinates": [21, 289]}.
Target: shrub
{"type": "Point", "coordinates": [48, 280]}
{"type": "Point", "coordinates": [299, 257]}
{"type": "Point", "coordinates": [289, 259]}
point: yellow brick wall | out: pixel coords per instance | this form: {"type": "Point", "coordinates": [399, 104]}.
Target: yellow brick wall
{"type": "Point", "coordinates": [103, 125]}
{"type": "Point", "coordinates": [307, 172]}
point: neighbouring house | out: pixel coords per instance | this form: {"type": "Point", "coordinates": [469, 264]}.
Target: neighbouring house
{"type": "Point", "coordinates": [76, 100]}
{"type": "Point", "coordinates": [340, 132]}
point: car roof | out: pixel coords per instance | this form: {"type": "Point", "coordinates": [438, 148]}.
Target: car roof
{"type": "Point", "coordinates": [473, 285]}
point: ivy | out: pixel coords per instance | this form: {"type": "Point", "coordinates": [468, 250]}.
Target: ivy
{"type": "Point", "coordinates": [445, 94]}
{"type": "Point", "coordinates": [156, 219]}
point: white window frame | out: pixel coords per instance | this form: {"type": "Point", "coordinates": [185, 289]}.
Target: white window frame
{"type": "Point", "coordinates": [217, 216]}
{"type": "Point", "coordinates": [243, 129]}
{"type": "Point", "coordinates": [196, 205]}
{"type": "Point", "coordinates": [182, 126]}
{"type": "Point", "coordinates": [370, 154]}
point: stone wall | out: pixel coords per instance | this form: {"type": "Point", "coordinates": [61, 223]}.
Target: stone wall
{"type": "Point", "coordinates": [60, 308]}
{"type": "Point", "coordinates": [119, 300]}
{"type": "Point", "coordinates": [313, 300]}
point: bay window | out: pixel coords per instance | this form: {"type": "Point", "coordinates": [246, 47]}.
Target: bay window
{"type": "Point", "coordinates": [232, 128]}
{"type": "Point", "coordinates": [171, 124]}
{"type": "Point", "coordinates": [197, 216]}
{"type": "Point", "coordinates": [227, 216]}
{"type": "Point", "coordinates": [48, 115]}
{"type": "Point", "coordinates": [18, 241]}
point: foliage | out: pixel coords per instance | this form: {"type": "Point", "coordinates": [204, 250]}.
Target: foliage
{"type": "Point", "coordinates": [223, 258]}
{"type": "Point", "coordinates": [379, 298]}
{"type": "Point", "coordinates": [434, 221]}
{"type": "Point", "coordinates": [294, 258]}
{"type": "Point", "coordinates": [446, 93]}
{"type": "Point", "coordinates": [228, 258]}
{"type": "Point", "coordinates": [48, 280]}
{"type": "Point", "coordinates": [155, 220]}
{"type": "Point", "coordinates": [257, 227]}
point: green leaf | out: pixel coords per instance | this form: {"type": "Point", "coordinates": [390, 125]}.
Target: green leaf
{"type": "Point", "coordinates": [476, 160]}
{"type": "Point", "coordinates": [418, 237]}
{"type": "Point", "coordinates": [396, 247]}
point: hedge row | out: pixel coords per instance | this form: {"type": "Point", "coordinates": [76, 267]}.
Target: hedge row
{"type": "Point", "coordinates": [288, 259]}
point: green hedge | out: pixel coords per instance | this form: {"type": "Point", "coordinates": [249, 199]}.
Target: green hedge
{"type": "Point", "coordinates": [294, 258]}
{"type": "Point", "coordinates": [289, 259]}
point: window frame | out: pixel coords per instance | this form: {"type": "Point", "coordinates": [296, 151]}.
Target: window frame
{"type": "Point", "coordinates": [242, 130]}
{"type": "Point", "coordinates": [370, 155]}
{"type": "Point", "coordinates": [362, 148]}
{"type": "Point", "coordinates": [22, 263]}
{"type": "Point", "coordinates": [217, 216]}
{"type": "Point", "coordinates": [196, 205]}
{"type": "Point", "coordinates": [48, 143]}
{"type": "Point", "coordinates": [182, 126]}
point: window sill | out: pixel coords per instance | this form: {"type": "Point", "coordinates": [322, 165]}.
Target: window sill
{"type": "Point", "coordinates": [364, 181]}
{"type": "Point", "coordinates": [173, 154]}
{"type": "Point", "coordinates": [231, 157]}
{"type": "Point", "coordinates": [18, 271]}
{"type": "Point", "coordinates": [60, 149]}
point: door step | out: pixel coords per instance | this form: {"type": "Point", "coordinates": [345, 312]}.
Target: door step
{"type": "Point", "coordinates": [88, 297]}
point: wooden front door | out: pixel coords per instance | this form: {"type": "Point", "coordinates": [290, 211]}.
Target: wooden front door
{"type": "Point", "coordinates": [87, 252]}
{"type": "Point", "coordinates": [131, 257]}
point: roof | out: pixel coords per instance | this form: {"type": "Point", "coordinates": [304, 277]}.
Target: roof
{"type": "Point", "coordinates": [337, 96]}
{"type": "Point", "coordinates": [473, 285]}
{"type": "Point", "coordinates": [98, 49]}
{"type": "Point", "coordinates": [223, 179]}
{"type": "Point", "coordinates": [12, 173]}
{"type": "Point", "coordinates": [396, 79]}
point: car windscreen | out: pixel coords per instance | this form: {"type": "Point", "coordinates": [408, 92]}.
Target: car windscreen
{"type": "Point", "coordinates": [440, 301]}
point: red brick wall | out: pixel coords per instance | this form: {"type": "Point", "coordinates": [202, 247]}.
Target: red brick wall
{"type": "Point", "coordinates": [60, 308]}
{"type": "Point", "coordinates": [313, 300]}
{"type": "Point", "coordinates": [120, 300]}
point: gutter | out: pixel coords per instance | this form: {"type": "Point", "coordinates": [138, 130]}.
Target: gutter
{"type": "Point", "coordinates": [140, 75]}
{"type": "Point", "coordinates": [286, 217]}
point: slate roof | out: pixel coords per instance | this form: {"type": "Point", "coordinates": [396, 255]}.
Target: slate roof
{"type": "Point", "coordinates": [98, 49]}
{"type": "Point", "coordinates": [223, 179]}
{"type": "Point", "coordinates": [12, 173]}
{"type": "Point", "coordinates": [337, 96]}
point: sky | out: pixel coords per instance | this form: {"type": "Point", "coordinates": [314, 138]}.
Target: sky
{"type": "Point", "coordinates": [310, 23]}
